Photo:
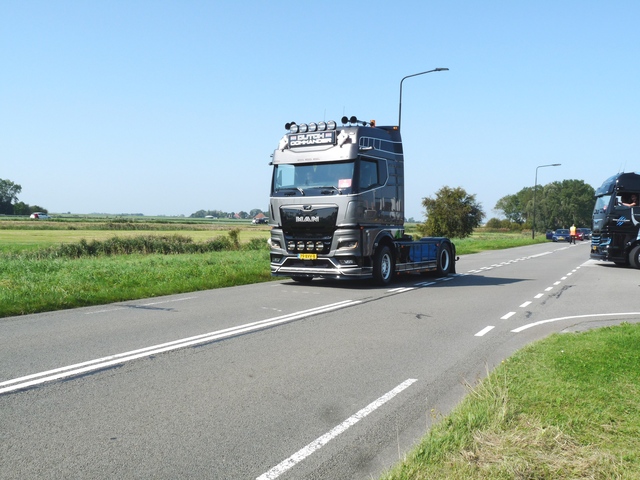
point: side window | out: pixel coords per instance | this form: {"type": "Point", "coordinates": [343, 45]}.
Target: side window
{"type": "Point", "coordinates": [368, 174]}
{"type": "Point", "coordinates": [382, 172]}
{"type": "Point", "coordinates": [629, 200]}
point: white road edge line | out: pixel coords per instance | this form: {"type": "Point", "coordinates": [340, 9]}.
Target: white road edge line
{"type": "Point", "coordinates": [319, 442]}
{"type": "Point", "coordinates": [80, 368]}
{"type": "Point", "coordinates": [484, 331]}
{"type": "Point", "coordinates": [535, 324]}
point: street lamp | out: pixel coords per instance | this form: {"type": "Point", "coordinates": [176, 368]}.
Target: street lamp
{"type": "Point", "coordinates": [414, 75]}
{"type": "Point", "coordinates": [535, 187]}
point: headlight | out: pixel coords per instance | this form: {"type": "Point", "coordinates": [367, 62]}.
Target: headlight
{"type": "Point", "coordinates": [348, 244]}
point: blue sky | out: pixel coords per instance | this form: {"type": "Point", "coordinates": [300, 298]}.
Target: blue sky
{"type": "Point", "coordinates": [169, 107]}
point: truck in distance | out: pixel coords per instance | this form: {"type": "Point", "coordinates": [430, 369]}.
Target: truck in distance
{"type": "Point", "coordinates": [337, 206]}
{"type": "Point", "coordinates": [615, 233]}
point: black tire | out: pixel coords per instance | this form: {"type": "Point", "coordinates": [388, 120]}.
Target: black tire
{"type": "Point", "coordinates": [383, 266]}
{"type": "Point", "coordinates": [301, 279]}
{"type": "Point", "coordinates": [444, 260]}
{"type": "Point", "coordinates": [634, 257]}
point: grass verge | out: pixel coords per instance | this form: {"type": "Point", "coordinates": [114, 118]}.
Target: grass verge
{"type": "Point", "coordinates": [96, 272]}
{"type": "Point", "coordinates": [30, 285]}
{"type": "Point", "coordinates": [564, 407]}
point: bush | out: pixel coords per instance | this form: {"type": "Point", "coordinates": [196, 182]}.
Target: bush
{"type": "Point", "coordinates": [503, 225]}
{"type": "Point", "coordinates": [146, 245]}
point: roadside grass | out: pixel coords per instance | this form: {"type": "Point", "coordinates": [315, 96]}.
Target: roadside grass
{"type": "Point", "coordinates": [565, 407]}
{"type": "Point", "coordinates": [482, 240]}
{"type": "Point", "coordinates": [30, 285]}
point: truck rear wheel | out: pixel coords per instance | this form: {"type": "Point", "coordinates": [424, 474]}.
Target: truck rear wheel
{"type": "Point", "coordinates": [634, 257]}
{"type": "Point", "coordinates": [383, 266]}
{"type": "Point", "coordinates": [444, 260]}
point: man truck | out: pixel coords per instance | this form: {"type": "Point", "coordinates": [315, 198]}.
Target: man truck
{"type": "Point", "coordinates": [337, 206]}
{"type": "Point", "coordinates": [615, 232]}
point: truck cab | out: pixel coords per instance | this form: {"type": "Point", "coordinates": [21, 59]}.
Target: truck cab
{"type": "Point", "coordinates": [615, 232]}
{"type": "Point", "coordinates": [337, 205]}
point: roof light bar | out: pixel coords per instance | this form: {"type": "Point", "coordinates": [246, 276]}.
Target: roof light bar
{"type": "Point", "coordinates": [293, 127]}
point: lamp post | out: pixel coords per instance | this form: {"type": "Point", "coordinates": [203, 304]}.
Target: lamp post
{"type": "Point", "coordinates": [403, 79]}
{"type": "Point", "coordinates": [535, 187]}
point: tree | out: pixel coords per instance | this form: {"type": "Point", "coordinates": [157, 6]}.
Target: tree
{"type": "Point", "coordinates": [8, 195]}
{"type": "Point", "coordinates": [453, 213]}
{"type": "Point", "coordinates": [513, 207]}
{"type": "Point", "coordinates": [557, 205]}
{"type": "Point", "coordinates": [566, 203]}
{"type": "Point", "coordinates": [21, 208]}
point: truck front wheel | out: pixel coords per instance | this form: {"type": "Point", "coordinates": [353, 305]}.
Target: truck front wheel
{"type": "Point", "coordinates": [383, 266]}
{"type": "Point", "coordinates": [634, 257]}
{"type": "Point", "coordinates": [444, 260]}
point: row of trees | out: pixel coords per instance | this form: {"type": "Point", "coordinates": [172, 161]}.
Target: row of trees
{"type": "Point", "coordinates": [9, 204]}
{"type": "Point", "coordinates": [221, 214]}
{"type": "Point", "coordinates": [557, 205]}
{"type": "Point", "coordinates": [454, 213]}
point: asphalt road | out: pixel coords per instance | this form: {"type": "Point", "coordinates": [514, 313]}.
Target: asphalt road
{"type": "Point", "coordinates": [281, 380]}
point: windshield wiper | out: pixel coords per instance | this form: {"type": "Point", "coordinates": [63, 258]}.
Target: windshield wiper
{"type": "Point", "coordinates": [291, 189]}
{"type": "Point", "coordinates": [325, 192]}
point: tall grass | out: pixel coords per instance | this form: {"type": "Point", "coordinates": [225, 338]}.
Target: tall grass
{"type": "Point", "coordinates": [19, 240]}
{"type": "Point", "coordinates": [145, 244]}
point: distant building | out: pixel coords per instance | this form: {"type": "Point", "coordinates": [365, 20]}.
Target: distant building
{"type": "Point", "coordinates": [260, 218]}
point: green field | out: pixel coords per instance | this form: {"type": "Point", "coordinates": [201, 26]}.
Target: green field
{"type": "Point", "coordinates": [21, 235]}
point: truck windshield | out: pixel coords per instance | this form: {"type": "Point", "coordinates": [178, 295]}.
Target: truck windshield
{"type": "Point", "coordinates": [602, 204]}
{"type": "Point", "coordinates": [329, 177]}
{"type": "Point", "coordinates": [600, 211]}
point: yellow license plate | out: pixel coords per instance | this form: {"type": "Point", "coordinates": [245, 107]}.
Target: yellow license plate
{"type": "Point", "coordinates": [307, 256]}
